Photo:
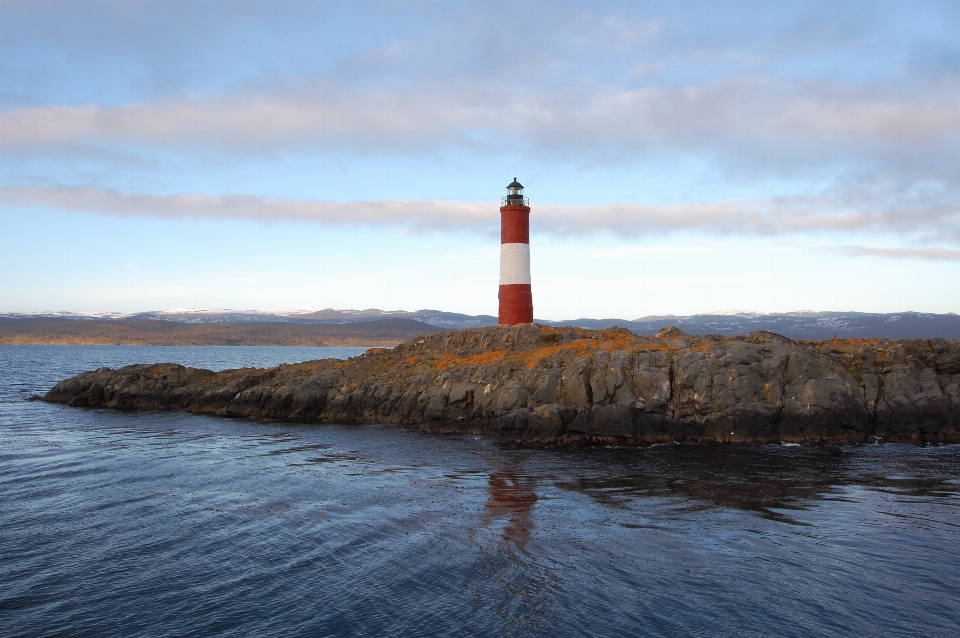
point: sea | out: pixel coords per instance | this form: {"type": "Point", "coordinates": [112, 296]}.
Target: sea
{"type": "Point", "coordinates": [170, 524]}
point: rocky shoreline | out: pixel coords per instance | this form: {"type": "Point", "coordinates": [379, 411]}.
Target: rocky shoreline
{"type": "Point", "coordinates": [535, 384]}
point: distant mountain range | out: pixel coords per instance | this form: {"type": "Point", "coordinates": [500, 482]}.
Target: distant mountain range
{"type": "Point", "coordinates": [436, 318]}
{"type": "Point", "coordinates": [796, 325]}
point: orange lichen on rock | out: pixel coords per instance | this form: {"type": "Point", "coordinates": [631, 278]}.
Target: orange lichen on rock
{"type": "Point", "coordinates": [703, 347]}
{"type": "Point", "coordinates": [576, 348]}
{"type": "Point", "coordinates": [445, 361]}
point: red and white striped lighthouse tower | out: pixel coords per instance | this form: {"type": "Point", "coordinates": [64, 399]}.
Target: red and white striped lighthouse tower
{"type": "Point", "coordinates": [516, 299]}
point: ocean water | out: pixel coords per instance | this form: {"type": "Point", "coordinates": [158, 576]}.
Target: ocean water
{"type": "Point", "coordinates": [158, 524]}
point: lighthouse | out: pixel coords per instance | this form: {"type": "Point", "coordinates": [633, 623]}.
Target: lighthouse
{"type": "Point", "coordinates": [516, 299]}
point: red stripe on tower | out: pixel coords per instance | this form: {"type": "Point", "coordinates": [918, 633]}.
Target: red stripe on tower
{"type": "Point", "coordinates": [516, 298]}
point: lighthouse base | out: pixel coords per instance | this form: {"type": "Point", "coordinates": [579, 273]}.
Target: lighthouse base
{"type": "Point", "coordinates": [516, 304]}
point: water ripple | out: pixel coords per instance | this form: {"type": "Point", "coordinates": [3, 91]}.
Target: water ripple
{"type": "Point", "coordinates": [173, 524]}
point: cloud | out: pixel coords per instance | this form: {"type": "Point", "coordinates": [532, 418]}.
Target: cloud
{"type": "Point", "coordinates": [936, 254]}
{"type": "Point", "coordinates": [743, 117]}
{"type": "Point", "coordinates": [214, 123]}
{"type": "Point", "coordinates": [771, 217]}
{"type": "Point", "coordinates": [419, 215]}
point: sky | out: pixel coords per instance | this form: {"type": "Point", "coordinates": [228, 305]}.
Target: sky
{"type": "Point", "coordinates": [680, 157]}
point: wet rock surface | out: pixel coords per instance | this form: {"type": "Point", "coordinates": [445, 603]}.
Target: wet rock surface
{"type": "Point", "coordinates": [541, 385]}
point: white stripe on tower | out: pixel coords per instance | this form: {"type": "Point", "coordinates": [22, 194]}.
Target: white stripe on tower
{"type": "Point", "coordinates": [514, 264]}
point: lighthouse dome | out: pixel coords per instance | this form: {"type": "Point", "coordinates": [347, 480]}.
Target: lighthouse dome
{"type": "Point", "coordinates": [515, 198]}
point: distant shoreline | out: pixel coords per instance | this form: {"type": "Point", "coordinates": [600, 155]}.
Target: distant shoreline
{"type": "Point", "coordinates": [52, 344]}
{"type": "Point", "coordinates": [43, 331]}
{"type": "Point", "coordinates": [392, 327]}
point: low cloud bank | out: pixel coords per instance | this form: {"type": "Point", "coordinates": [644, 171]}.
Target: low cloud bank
{"type": "Point", "coordinates": [773, 217]}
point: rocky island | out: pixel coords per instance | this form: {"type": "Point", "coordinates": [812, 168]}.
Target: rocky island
{"type": "Point", "coordinates": [535, 384]}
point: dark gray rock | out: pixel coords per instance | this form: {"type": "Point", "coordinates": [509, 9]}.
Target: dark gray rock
{"type": "Point", "coordinates": [536, 384]}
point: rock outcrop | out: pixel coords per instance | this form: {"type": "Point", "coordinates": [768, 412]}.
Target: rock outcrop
{"type": "Point", "coordinates": [537, 384]}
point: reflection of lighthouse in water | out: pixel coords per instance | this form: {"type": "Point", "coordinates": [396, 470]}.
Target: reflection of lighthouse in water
{"type": "Point", "coordinates": [511, 501]}
{"type": "Point", "coordinates": [506, 524]}
{"type": "Point", "coordinates": [516, 298]}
